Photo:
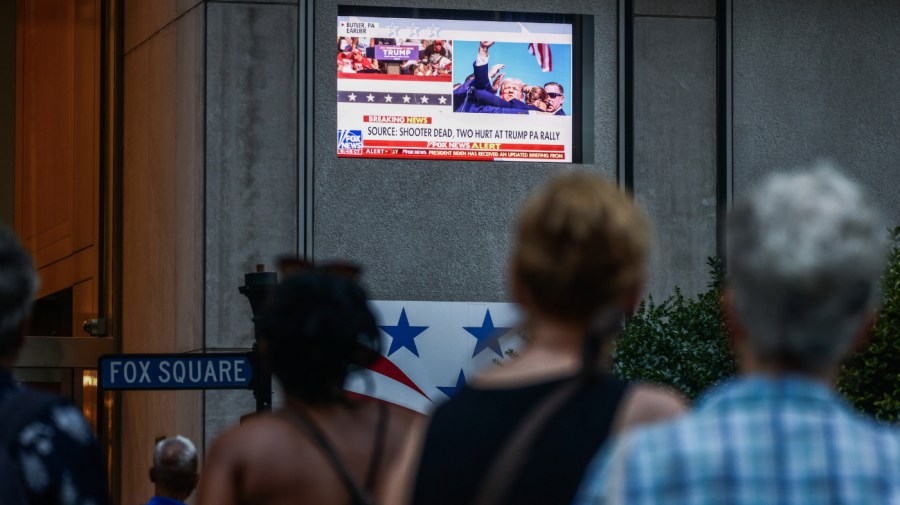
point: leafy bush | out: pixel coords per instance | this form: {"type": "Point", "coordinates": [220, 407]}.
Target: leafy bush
{"type": "Point", "coordinates": [870, 379]}
{"type": "Point", "coordinates": [681, 342]}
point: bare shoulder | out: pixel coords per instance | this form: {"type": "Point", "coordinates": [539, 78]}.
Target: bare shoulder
{"type": "Point", "coordinates": [401, 464]}
{"type": "Point", "coordinates": [250, 432]}
{"type": "Point", "coordinates": [403, 417]}
{"type": "Point", "coordinates": [648, 403]}
{"type": "Point", "coordinates": [404, 425]}
{"type": "Point", "coordinates": [224, 464]}
{"type": "Point", "coordinates": [255, 438]}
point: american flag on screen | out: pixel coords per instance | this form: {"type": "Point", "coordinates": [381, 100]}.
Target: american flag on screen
{"type": "Point", "coordinates": [430, 349]}
{"type": "Point", "coordinates": [542, 54]}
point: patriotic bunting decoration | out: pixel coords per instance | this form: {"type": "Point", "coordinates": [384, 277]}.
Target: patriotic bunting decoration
{"type": "Point", "coordinates": [430, 349]}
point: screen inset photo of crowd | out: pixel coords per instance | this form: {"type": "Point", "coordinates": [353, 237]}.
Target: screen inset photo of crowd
{"type": "Point", "coordinates": [395, 56]}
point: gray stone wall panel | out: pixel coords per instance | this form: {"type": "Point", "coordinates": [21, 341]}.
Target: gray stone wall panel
{"type": "Point", "coordinates": [223, 410]}
{"type": "Point", "coordinates": [818, 80]}
{"type": "Point", "coordinates": [251, 156]}
{"type": "Point", "coordinates": [700, 8]}
{"type": "Point", "coordinates": [675, 146]}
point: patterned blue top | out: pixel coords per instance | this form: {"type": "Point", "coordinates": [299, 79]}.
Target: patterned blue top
{"type": "Point", "coordinates": [58, 455]}
{"type": "Point", "coordinates": [755, 440]}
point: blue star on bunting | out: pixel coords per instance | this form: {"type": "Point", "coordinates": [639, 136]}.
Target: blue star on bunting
{"type": "Point", "coordinates": [452, 390]}
{"type": "Point", "coordinates": [488, 336]}
{"type": "Point", "coordinates": [403, 334]}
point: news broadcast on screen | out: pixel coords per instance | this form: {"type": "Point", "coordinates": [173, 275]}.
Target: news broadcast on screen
{"type": "Point", "coordinates": [442, 89]}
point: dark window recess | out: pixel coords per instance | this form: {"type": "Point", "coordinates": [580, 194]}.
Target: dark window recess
{"type": "Point", "coordinates": [54, 388]}
{"type": "Point", "coordinates": [51, 315]}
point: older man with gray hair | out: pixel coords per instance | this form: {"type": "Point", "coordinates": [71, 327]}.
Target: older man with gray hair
{"type": "Point", "coordinates": [805, 253]}
{"type": "Point", "coordinates": [174, 471]}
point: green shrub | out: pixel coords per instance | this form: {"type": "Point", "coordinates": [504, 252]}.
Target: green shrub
{"type": "Point", "coordinates": [681, 342]}
{"type": "Point", "coordinates": [870, 379]}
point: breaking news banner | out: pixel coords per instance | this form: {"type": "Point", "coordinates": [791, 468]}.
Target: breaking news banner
{"type": "Point", "coordinates": [431, 349]}
{"type": "Point", "coordinates": [455, 90]}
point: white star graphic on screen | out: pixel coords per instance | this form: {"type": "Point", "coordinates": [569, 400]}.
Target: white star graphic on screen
{"type": "Point", "coordinates": [432, 31]}
{"type": "Point", "coordinates": [370, 97]}
{"type": "Point", "coordinates": [442, 99]}
{"type": "Point", "coordinates": [424, 99]}
{"type": "Point", "coordinates": [352, 97]}
{"type": "Point", "coordinates": [392, 30]}
{"type": "Point", "coordinates": [405, 98]}
{"type": "Point", "coordinates": [413, 31]}
{"type": "Point", "coordinates": [388, 98]}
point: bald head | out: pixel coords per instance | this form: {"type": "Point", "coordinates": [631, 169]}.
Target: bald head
{"type": "Point", "coordinates": [174, 468]}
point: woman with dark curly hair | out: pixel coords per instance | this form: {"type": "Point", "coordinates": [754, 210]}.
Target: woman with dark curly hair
{"type": "Point", "coordinates": [324, 446]}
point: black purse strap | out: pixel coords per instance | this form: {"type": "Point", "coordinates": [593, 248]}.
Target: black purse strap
{"type": "Point", "coordinates": [302, 420]}
{"type": "Point", "coordinates": [498, 479]}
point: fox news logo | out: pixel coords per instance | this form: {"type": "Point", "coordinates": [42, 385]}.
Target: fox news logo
{"type": "Point", "coordinates": [349, 142]}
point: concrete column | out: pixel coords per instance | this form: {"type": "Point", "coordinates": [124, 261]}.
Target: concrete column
{"type": "Point", "coordinates": [252, 171]}
{"type": "Point", "coordinates": [675, 137]}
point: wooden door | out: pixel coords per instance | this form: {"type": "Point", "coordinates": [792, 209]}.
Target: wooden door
{"type": "Point", "coordinates": [58, 146]}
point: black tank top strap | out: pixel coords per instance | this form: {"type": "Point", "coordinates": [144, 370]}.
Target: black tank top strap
{"type": "Point", "coordinates": [302, 420]}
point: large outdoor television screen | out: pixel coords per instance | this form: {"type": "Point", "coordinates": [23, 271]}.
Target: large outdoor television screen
{"type": "Point", "coordinates": [452, 89]}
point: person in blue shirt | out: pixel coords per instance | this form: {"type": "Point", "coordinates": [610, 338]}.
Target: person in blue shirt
{"type": "Point", "coordinates": [174, 471]}
{"type": "Point", "coordinates": [805, 252]}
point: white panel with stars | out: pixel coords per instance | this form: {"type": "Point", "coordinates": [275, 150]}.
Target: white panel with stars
{"type": "Point", "coordinates": [430, 349]}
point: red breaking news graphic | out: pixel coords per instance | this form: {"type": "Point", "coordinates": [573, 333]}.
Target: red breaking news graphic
{"type": "Point", "coordinates": [397, 119]}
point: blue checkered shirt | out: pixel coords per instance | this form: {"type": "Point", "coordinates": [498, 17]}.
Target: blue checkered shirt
{"type": "Point", "coordinates": [754, 440]}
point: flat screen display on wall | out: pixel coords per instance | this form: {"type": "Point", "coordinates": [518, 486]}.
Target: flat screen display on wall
{"type": "Point", "coordinates": [453, 89]}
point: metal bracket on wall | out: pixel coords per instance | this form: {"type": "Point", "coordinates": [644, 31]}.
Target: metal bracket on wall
{"type": "Point", "coordinates": [95, 327]}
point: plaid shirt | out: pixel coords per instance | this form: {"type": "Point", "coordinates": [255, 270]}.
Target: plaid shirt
{"type": "Point", "coordinates": [755, 440]}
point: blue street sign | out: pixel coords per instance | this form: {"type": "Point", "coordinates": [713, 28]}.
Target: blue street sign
{"type": "Point", "coordinates": [175, 371]}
